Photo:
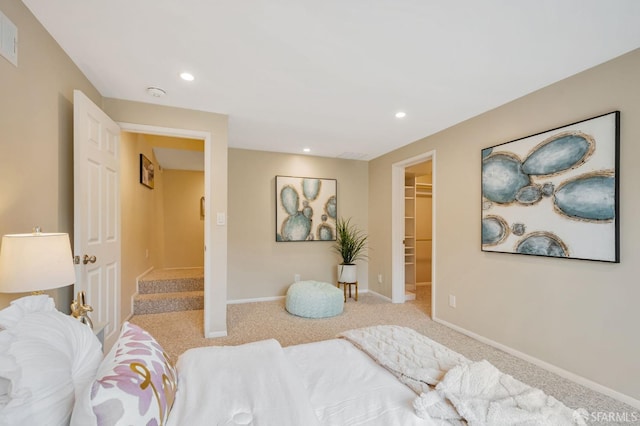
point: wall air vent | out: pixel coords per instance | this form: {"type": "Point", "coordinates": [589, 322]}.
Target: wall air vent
{"type": "Point", "coordinates": [8, 39]}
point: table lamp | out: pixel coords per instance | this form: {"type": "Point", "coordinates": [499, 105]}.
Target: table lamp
{"type": "Point", "coordinates": [35, 262]}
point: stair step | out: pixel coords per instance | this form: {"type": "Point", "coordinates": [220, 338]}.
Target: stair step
{"type": "Point", "coordinates": [170, 285]}
{"type": "Point", "coordinates": [155, 303]}
{"type": "Point", "coordinates": [172, 281]}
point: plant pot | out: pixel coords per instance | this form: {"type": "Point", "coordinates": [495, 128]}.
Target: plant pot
{"type": "Point", "coordinates": [347, 273]}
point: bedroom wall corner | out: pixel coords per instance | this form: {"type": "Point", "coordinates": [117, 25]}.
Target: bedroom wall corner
{"type": "Point", "coordinates": [36, 160]}
{"type": "Point", "coordinates": [260, 267]}
{"type": "Point", "coordinates": [575, 315]}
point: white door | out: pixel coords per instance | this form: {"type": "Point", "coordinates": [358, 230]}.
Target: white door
{"type": "Point", "coordinates": [97, 212]}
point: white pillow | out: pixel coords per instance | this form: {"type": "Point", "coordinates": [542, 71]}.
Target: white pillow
{"type": "Point", "coordinates": [44, 356]}
{"type": "Point", "coordinates": [135, 384]}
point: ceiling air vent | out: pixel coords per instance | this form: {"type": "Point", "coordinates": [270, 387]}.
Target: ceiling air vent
{"type": "Point", "coordinates": [352, 156]}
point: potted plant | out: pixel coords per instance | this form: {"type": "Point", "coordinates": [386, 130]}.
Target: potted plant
{"type": "Point", "coordinates": [351, 245]}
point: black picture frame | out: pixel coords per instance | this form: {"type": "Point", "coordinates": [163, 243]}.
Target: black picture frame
{"type": "Point", "coordinates": [147, 171]}
{"type": "Point", "coordinates": [555, 193]}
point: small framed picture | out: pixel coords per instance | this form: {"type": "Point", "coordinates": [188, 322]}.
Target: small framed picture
{"type": "Point", "coordinates": [146, 171]}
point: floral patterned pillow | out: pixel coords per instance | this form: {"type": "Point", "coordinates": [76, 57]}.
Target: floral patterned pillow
{"type": "Point", "coordinates": [135, 384]}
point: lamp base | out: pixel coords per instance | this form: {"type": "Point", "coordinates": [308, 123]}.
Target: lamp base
{"type": "Point", "coordinates": [86, 320]}
{"type": "Point", "coordinates": [80, 310]}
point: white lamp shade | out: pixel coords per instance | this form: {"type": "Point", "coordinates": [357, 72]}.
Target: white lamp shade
{"type": "Point", "coordinates": [35, 262]}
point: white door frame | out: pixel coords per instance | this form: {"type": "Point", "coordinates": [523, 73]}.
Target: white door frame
{"type": "Point", "coordinates": [208, 199]}
{"type": "Point", "coordinates": [397, 227]}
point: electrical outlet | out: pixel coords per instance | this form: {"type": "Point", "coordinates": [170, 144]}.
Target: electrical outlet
{"type": "Point", "coordinates": [452, 301]}
{"type": "Point", "coordinates": [380, 278]}
{"type": "Point", "coordinates": [146, 253]}
{"type": "Point", "coordinates": [296, 277]}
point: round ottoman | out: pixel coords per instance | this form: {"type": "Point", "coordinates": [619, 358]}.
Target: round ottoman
{"type": "Point", "coordinates": [314, 299]}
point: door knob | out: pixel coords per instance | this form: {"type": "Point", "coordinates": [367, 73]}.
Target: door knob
{"type": "Point", "coordinates": [88, 259]}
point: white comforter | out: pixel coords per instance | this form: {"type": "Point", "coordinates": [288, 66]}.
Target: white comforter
{"type": "Point", "coordinates": [328, 383]}
{"type": "Point", "coordinates": [454, 390]}
{"type": "Point", "coordinates": [483, 395]}
{"type": "Point", "coordinates": [332, 383]}
{"type": "Point", "coordinates": [347, 388]}
{"type": "Point", "coordinates": [251, 384]}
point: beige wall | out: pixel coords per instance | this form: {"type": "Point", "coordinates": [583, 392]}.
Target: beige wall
{"type": "Point", "coordinates": [580, 316]}
{"type": "Point", "coordinates": [141, 212]}
{"type": "Point", "coordinates": [183, 225]}
{"type": "Point", "coordinates": [36, 135]}
{"type": "Point", "coordinates": [215, 125]}
{"type": "Point", "coordinates": [258, 265]}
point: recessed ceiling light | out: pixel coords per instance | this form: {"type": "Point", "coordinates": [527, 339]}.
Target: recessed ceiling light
{"type": "Point", "coordinates": [401, 114]}
{"type": "Point", "coordinates": [306, 149]}
{"type": "Point", "coordinates": [156, 92]}
{"type": "Point", "coordinates": [187, 76]}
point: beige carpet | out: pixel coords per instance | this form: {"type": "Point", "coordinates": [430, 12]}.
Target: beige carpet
{"type": "Point", "coordinates": [179, 331]}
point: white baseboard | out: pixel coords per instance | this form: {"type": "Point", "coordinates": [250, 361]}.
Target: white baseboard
{"type": "Point", "coordinates": [136, 292]}
{"type": "Point", "coordinates": [138, 279]}
{"type": "Point", "coordinates": [175, 268]}
{"type": "Point", "coordinates": [257, 299]}
{"type": "Point", "coordinates": [547, 366]}
{"type": "Point", "coordinates": [377, 294]}
{"type": "Point", "coordinates": [272, 298]}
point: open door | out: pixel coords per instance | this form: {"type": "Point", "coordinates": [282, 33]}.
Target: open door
{"type": "Point", "coordinates": [96, 210]}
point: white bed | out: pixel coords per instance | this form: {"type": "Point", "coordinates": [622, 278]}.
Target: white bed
{"type": "Point", "coordinates": [52, 373]}
{"type": "Point", "coordinates": [323, 383]}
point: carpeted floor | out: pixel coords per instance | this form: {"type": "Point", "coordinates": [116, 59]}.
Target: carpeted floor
{"type": "Point", "coordinates": [179, 331]}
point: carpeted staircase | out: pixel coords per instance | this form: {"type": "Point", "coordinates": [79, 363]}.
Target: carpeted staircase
{"type": "Point", "coordinates": [170, 290]}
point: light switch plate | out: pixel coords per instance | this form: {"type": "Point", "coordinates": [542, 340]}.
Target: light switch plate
{"type": "Point", "coordinates": [220, 218]}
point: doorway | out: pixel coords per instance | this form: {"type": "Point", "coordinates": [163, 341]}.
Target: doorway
{"type": "Point", "coordinates": [418, 234]}
{"type": "Point", "coordinates": [404, 249]}
{"type": "Point", "coordinates": [203, 202]}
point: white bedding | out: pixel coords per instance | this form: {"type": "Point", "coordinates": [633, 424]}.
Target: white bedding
{"type": "Point", "coordinates": [414, 359]}
{"type": "Point", "coordinates": [334, 383]}
{"type": "Point", "coordinates": [346, 387]}
{"type": "Point", "coordinates": [324, 383]}
{"type": "Point", "coordinates": [477, 392]}
{"type": "Point", "coordinates": [483, 395]}
{"type": "Point", "coordinates": [239, 385]}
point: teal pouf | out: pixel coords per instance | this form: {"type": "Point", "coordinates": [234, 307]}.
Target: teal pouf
{"type": "Point", "coordinates": [314, 299]}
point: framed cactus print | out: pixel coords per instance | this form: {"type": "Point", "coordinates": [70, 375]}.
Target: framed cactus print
{"type": "Point", "coordinates": [306, 209]}
{"type": "Point", "coordinates": [555, 193]}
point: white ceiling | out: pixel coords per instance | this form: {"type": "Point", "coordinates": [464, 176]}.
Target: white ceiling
{"type": "Point", "coordinates": [179, 159]}
{"type": "Point", "coordinates": [330, 75]}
